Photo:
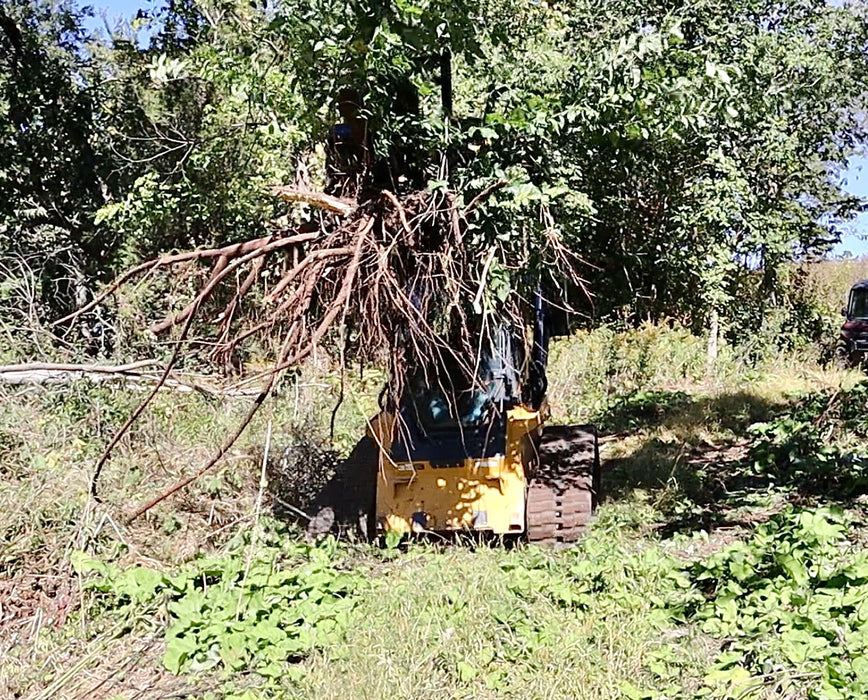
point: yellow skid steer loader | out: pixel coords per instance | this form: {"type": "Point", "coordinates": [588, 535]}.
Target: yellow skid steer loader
{"type": "Point", "coordinates": [470, 454]}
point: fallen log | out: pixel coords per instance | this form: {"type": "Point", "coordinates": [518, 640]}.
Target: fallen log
{"type": "Point", "coordinates": [144, 372]}
{"type": "Point", "coordinates": [66, 367]}
{"type": "Point", "coordinates": [59, 373]}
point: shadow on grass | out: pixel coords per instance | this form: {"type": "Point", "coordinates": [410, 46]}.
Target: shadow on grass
{"type": "Point", "coordinates": [314, 489]}
{"type": "Point", "coordinates": [733, 411]}
{"type": "Point", "coordinates": [705, 469]}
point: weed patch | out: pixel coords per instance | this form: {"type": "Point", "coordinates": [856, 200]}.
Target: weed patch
{"type": "Point", "coordinates": [641, 408]}
{"type": "Point", "coordinates": [254, 614]}
{"type": "Point", "coordinates": [817, 446]}
{"type": "Point", "coordinates": [698, 578]}
{"type": "Point", "coordinates": [792, 604]}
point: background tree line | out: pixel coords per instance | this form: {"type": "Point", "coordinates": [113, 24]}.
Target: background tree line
{"type": "Point", "coordinates": [687, 153]}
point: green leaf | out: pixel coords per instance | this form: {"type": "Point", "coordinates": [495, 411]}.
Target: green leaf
{"type": "Point", "coordinates": [732, 678]}
{"type": "Point", "coordinates": [466, 672]}
{"type": "Point", "coordinates": [795, 568]}
{"type": "Point", "coordinates": [83, 563]}
{"type": "Point", "coordinates": [178, 653]}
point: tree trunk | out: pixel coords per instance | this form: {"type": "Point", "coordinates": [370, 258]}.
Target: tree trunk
{"type": "Point", "coordinates": [712, 348]}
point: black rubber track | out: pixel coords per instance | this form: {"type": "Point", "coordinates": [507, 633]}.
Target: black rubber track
{"type": "Point", "coordinates": [562, 490]}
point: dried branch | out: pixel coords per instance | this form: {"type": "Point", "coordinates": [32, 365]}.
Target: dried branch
{"type": "Point", "coordinates": [217, 278]}
{"type": "Point", "coordinates": [140, 408]}
{"type": "Point", "coordinates": [312, 257]}
{"type": "Point", "coordinates": [230, 251]}
{"type": "Point", "coordinates": [216, 272]}
{"type": "Point", "coordinates": [402, 214]}
{"type": "Point", "coordinates": [285, 360]}
{"type": "Point", "coordinates": [485, 194]}
{"type": "Point", "coordinates": [89, 369]}
{"type": "Point", "coordinates": [336, 205]}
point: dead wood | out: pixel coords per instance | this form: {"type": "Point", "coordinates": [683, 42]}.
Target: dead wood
{"type": "Point", "coordinates": [140, 408]}
{"type": "Point", "coordinates": [230, 251]}
{"type": "Point", "coordinates": [287, 358]}
{"type": "Point", "coordinates": [134, 373]}
{"type": "Point", "coordinates": [336, 205]}
{"type": "Point", "coordinates": [485, 194]}
{"type": "Point", "coordinates": [290, 276]}
{"type": "Point", "coordinates": [88, 369]}
{"type": "Point", "coordinates": [402, 214]}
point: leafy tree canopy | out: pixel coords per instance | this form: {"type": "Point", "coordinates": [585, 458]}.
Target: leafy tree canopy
{"type": "Point", "coordinates": [677, 149]}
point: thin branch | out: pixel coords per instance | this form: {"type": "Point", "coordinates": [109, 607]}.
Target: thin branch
{"type": "Point", "coordinates": [227, 251]}
{"type": "Point", "coordinates": [220, 276]}
{"type": "Point", "coordinates": [288, 278]}
{"type": "Point", "coordinates": [139, 409]}
{"type": "Point", "coordinates": [485, 194]}
{"type": "Point", "coordinates": [402, 214]}
{"type": "Point", "coordinates": [284, 361]}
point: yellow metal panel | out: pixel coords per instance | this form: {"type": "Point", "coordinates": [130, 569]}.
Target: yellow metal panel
{"type": "Point", "coordinates": [453, 498]}
{"type": "Point", "coordinates": [481, 494]}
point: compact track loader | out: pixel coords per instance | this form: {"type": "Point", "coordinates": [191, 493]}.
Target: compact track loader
{"type": "Point", "coordinates": [470, 455]}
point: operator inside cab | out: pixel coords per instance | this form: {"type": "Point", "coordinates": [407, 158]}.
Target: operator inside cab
{"type": "Point", "coordinates": [349, 147]}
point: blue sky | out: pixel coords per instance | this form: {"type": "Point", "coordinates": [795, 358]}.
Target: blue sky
{"type": "Point", "coordinates": [115, 10]}
{"type": "Point", "coordinates": [855, 178]}
{"type": "Point", "coordinates": [856, 182]}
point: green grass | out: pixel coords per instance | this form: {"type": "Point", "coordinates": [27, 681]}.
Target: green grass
{"type": "Point", "coordinates": [629, 612]}
{"type": "Point", "coordinates": [484, 623]}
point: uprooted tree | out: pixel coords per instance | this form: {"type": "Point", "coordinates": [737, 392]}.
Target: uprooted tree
{"type": "Point", "coordinates": [378, 279]}
{"type": "Point", "coordinates": [386, 267]}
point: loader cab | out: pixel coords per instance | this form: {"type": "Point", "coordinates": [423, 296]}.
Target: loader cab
{"type": "Point", "coordinates": [450, 412]}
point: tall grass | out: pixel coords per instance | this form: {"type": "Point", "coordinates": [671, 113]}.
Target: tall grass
{"type": "Point", "coordinates": [591, 369]}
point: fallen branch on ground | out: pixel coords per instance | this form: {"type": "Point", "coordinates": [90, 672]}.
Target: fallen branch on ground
{"type": "Point", "coordinates": [134, 373]}
{"type": "Point", "coordinates": [89, 369]}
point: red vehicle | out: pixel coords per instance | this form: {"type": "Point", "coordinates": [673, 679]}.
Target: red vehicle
{"type": "Point", "coordinates": [852, 347]}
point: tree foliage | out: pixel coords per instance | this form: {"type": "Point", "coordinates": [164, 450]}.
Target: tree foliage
{"type": "Point", "coordinates": [52, 173]}
{"type": "Point", "coordinates": [678, 149]}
